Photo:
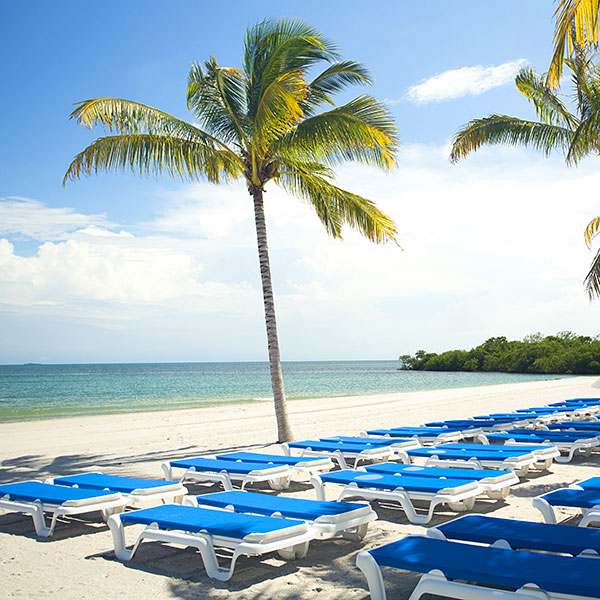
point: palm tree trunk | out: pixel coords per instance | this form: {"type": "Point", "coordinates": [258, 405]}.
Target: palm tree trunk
{"type": "Point", "coordinates": [284, 431]}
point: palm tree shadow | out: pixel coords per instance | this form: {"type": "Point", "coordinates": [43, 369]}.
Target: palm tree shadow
{"type": "Point", "coordinates": [37, 466]}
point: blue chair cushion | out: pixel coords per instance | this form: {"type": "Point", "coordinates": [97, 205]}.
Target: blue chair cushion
{"type": "Point", "coordinates": [493, 566]}
{"type": "Point", "coordinates": [212, 465]}
{"type": "Point", "coordinates": [98, 481]}
{"type": "Point", "coordinates": [435, 472]}
{"type": "Point", "coordinates": [391, 482]}
{"type": "Point", "coordinates": [274, 459]}
{"type": "Point", "coordinates": [265, 504]}
{"type": "Point", "coordinates": [30, 491]}
{"type": "Point", "coordinates": [214, 522]}
{"type": "Point", "coordinates": [573, 498]}
{"type": "Point", "coordinates": [523, 535]}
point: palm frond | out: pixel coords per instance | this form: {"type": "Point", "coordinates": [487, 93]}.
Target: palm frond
{"type": "Point", "coordinates": [217, 98]}
{"type": "Point", "coordinates": [333, 80]}
{"type": "Point", "coordinates": [592, 279]}
{"type": "Point", "coordinates": [279, 109]}
{"type": "Point", "coordinates": [591, 230]}
{"type": "Point", "coordinates": [502, 129]}
{"type": "Point", "coordinates": [146, 154]}
{"type": "Point", "coordinates": [274, 48]}
{"type": "Point", "coordinates": [576, 23]}
{"type": "Point", "coordinates": [336, 207]}
{"type": "Point", "coordinates": [548, 106]}
{"type": "Point", "coordinates": [586, 138]}
{"type": "Point", "coordinates": [362, 130]}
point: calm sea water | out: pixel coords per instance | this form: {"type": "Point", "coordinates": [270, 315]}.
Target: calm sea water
{"type": "Point", "coordinates": [47, 391]}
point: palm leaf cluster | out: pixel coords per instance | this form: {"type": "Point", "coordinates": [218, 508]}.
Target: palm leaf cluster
{"type": "Point", "coordinates": [576, 28]}
{"type": "Point", "coordinates": [273, 119]}
{"type": "Point", "coordinates": [575, 133]}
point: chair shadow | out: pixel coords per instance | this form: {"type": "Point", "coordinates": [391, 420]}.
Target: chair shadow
{"type": "Point", "coordinates": [37, 466]}
{"type": "Point", "coordinates": [18, 524]}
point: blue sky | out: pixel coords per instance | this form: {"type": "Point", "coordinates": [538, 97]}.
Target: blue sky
{"type": "Point", "coordinates": [119, 268]}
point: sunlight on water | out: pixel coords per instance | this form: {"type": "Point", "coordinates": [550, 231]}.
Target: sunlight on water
{"type": "Point", "coordinates": [48, 391]}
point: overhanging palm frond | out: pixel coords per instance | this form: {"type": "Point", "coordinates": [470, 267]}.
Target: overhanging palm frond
{"type": "Point", "coordinates": [548, 106]}
{"type": "Point", "coordinates": [502, 129]}
{"type": "Point", "coordinates": [147, 154]}
{"type": "Point", "coordinates": [336, 207]}
{"type": "Point", "coordinates": [592, 279]}
{"type": "Point", "coordinates": [333, 80]}
{"type": "Point", "coordinates": [362, 131]}
{"type": "Point", "coordinates": [129, 117]}
{"type": "Point", "coordinates": [217, 98]}
{"type": "Point", "coordinates": [591, 230]}
{"type": "Point", "coordinates": [576, 23]}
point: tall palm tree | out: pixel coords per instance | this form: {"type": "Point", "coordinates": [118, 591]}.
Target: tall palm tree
{"type": "Point", "coordinates": [575, 134]}
{"type": "Point", "coordinates": [576, 27]}
{"type": "Point", "coordinates": [264, 122]}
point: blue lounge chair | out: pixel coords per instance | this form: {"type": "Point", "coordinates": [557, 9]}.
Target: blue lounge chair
{"type": "Point", "coordinates": [475, 572]}
{"type": "Point", "coordinates": [207, 529]}
{"type": "Point", "coordinates": [545, 453]}
{"type": "Point", "coordinates": [496, 484]}
{"type": "Point", "coordinates": [458, 494]}
{"type": "Point", "coordinates": [341, 452]}
{"type": "Point", "coordinates": [480, 424]}
{"type": "Point", "coordinates": [306, 466]}
{"type": "Point", "coordinates": [590, 401]}
{"type": "Point", "coordinates": [137, 492]}
{"type": "Point", "coordinates": [405, 442]}
{"type": "Point", "coordinates": [228, 471]}
{"type": "Point", "coordinates": [587, 501]}
{"type": "Point", "coordinates": [581, 426]}
{"type": "Point", "coordinates": [567, 442]}
{"type": "Point", "coordinates": [479, 456]}
{"type": "Point", "coordinates": [35, 498]}
{"type": "Point", "coordinates": [431, 435]}
{"type": "Point", "coordinates": [325, 519]}
{"type": "Point", "coordinates": [520, 535]}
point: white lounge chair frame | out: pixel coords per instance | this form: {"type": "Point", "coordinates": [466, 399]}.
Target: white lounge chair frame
{"type": "Point", "coordinates": [376, 454]}
{"type": "Point", "coordinates": [590, 516]}
{"type": "Point", "coordinates": [164, 494]}
{"type": "Point", "coordinates": [351, 525]}
{"type": "Point", "coordinates": [519, 464]}
{"type": "Point", "coordinates": [436, 583]}
{"type": "Point", "coordinates": [459, 499]}
{"type": "Point", "coordinates": [278, 476]}
{"type": "Point", "coordinates": [106, 504]}
{"type": "Point", "coordinates": [289, 544]}
{"type": "Point", "coordinates": [583, 446]}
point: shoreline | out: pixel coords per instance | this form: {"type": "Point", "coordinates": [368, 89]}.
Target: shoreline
{"type": "Point", "coordinates": [135, 444]}
{"type": "Point", "coordinates": [214, 403]}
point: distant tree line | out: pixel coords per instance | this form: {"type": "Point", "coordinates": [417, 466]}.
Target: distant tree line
{"type": "Point", "coordinates": [563, 353]}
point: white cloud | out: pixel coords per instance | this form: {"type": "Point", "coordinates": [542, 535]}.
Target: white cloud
{"type": "Point", "coordinates": [491, 247]}
{"type": "Point", "coordinates": [24, 218]}
{"type": "Point", "coordinates": [466, 81]}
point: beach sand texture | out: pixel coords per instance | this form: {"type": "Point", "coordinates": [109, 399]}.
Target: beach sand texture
{"type": "Point", "coordinates": [78, 561]}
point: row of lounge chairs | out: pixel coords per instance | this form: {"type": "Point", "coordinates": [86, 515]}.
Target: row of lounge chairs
{"type": "Point", "coordinates": [480, 557]}
{"type": "Point", "coordinates": [452, 473]}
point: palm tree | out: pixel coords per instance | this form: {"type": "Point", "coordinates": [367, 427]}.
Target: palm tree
{"type": "Point", "coordinates": [576, 27]}
{"type": "Point", "coordinates": [576, 135]}
{"type": "Point", "coordinates": [264, 122]}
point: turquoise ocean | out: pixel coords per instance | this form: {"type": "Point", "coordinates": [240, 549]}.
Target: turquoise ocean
{"type": "Point", "coordinates": [30, 392]}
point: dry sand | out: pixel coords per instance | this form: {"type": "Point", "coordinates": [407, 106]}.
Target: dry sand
{"type": "Point", "coordinates": [78, 562]}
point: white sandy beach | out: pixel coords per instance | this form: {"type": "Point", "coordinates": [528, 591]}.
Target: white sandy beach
{"type": "Point", "coordinates": [78, 561]}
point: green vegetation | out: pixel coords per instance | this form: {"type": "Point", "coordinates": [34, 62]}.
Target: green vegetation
{"type": "Point", "coordinates": [563, 353]}
{"type": "Point", "coordinates": [274, 120]}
